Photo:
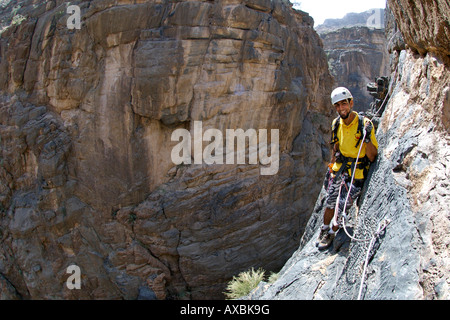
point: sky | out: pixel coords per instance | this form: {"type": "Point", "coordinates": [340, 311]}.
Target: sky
{"type": "Point", "coordinates": [324, 9]}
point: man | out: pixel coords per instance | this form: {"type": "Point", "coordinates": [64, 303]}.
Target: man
{"type": "Point", "coordinates": [347, 137]}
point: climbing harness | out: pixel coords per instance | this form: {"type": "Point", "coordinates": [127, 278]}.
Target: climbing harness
{"type": "Point", "coordinates": [381, 227]}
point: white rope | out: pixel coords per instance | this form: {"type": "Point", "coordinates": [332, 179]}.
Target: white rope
{"type": "Point", "coordinates": [382, 105]}
{"type": "Point", "coordinates": [336, 210]}
{"type": "Point", "coordinates": [381, 225]}
{"type": "Point", "coordinates": [348, 193]}
{"type": "Point", "coordinates": [336, 207]}
{"type": "Point", "coordinates": [387, 95]}
{"type": "Point", "coordinates": [366, 262]}
{"type": "Point", "coordinates": [380, 229]}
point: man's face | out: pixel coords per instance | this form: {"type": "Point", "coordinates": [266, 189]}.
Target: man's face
{"type": "Point", "coordinates": [344, 108]}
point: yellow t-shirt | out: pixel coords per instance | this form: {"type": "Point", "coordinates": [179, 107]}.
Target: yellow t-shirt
{"type": "Point", "coordinates": [348, 137]}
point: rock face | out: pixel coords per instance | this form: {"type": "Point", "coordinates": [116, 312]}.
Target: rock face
{"type": "Point", "coordinates": [86, 122]}
{"type": "Point", "coordinates": [408, 185]}
{"type": "Point", "coordinates": [356, 53]}
{"type": "Point", "coordinates": [424, 25]}
{"type": "Point", "coordinates": [371, 18]}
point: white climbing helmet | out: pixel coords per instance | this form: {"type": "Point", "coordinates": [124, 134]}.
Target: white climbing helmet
{"type": "Point", "coordinates": [340, 94]}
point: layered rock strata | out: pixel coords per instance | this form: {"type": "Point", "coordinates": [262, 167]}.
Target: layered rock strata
{"type": "Point", "coordinates": [373, 18]}
{"type": "Point", "coordinates": [424, 25]}
{"type": "Point", "coordinates": [357, 55]}
{"type": "Point", "coordinates": [87, 117]}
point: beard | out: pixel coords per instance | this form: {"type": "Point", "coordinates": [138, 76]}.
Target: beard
{"type": "Point", "coordinates": [344, 116]}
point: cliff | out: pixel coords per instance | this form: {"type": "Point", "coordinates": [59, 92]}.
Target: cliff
{"type": "Point", "coordinates": [87, 119]}
{"type": "Point", "coordinates": [407, 185]}
{"type": "Point", "coordinates": [357, 52]}
{"type": "Point", "coordinates": [356, 56]}
{"type": "Point", "coordinates": [373, 18]}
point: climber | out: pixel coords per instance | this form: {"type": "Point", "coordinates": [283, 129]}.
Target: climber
{"type": "Point", "coordinates": [348, 129]}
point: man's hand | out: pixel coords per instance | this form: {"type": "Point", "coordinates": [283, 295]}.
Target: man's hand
{"type": "Point", "coordinates": [368, 131]}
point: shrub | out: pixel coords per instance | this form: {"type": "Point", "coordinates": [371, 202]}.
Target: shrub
{"type": "Point", "coordinates": [244, 283]}
{"type": "Point", "coordinates": [273, 277]}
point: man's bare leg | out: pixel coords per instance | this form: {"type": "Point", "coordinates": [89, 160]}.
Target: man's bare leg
{"type": "Point", "coordinates": [328, 216]}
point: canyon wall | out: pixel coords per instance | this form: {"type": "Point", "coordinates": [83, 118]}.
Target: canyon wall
{"type": "Point", "coordinates": [373, 18]}
{"type": "Point", "coordinates": [408, 185]}
{"type": "Point", "coordinates": [87, 117]}
{"type": "Point", "coordinates": [356, 53]}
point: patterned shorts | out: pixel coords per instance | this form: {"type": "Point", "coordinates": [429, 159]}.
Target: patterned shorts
{"type": "Point", "coordinates": [333, 193]}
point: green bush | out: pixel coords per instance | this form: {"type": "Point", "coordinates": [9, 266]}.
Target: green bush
{"type": "Point", "coordinates": [273, 277]}
{"type": "Point", "coordinates": [244, 283]}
